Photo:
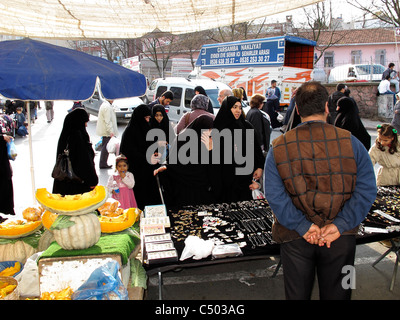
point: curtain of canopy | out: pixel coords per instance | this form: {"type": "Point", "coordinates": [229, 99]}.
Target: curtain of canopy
{"type": "Point", "coordinates": [127, 19]}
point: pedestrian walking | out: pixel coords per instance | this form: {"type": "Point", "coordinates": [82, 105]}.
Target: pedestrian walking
{"type": "Point", "coordinates": [49, 111]}
{"type": "Point", "coordinates": [76, 140]}
{"type": "Point", "coordinates": [106, 128]}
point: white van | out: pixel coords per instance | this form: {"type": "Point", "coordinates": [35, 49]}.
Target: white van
{"type": "Point", "coordinates": [183, 90]}
{"type": "Point", "coordinates": [356, 72]}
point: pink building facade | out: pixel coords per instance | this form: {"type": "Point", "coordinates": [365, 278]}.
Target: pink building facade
{"type": "Point", "coordinates": [366, 46]}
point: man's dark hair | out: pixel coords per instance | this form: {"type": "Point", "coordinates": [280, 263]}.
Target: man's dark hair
{"type": "Point", "coordinates": [311, 98]}
{"type": "Point", "coordinates": [340, 86]}
{"type": "Point", "coordinates": [391, 64]}
{"type": "Point", "coordinates": [168, 95]}
{"type": "Point", "coordinates": [273, 81]}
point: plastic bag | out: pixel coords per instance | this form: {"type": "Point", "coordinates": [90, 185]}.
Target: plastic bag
{"type": "Point", "coordinates": [103, 284]}
{"type": "Point", "coordinates": [11, 150]}
{"type": "Point", "coordinates": [113, 145]}
{"type": "Point", "coordinates": [226, 250]}
{"type": "Point", "coordinates": [28, 278]}
{"type": "Point", "coordinates": [257, 193]}
{"type": "Point", "coordinates": [196, 248]}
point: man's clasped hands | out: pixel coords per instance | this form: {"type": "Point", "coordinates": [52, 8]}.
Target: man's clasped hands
{"type": "Point", "coordinates": [322, 236]}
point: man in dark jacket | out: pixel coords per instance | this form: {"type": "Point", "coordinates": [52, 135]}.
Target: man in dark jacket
{"type": "Point", "coordinates": [165, 99]}
{"type": "Point", "coordinates": [332, 102]}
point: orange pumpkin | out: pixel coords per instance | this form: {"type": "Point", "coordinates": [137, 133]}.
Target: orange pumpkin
{"type": "Point", "coordinates": [18, 228]}
{"type": "Point", "coordinates": [48, 219]}
{"type": "Point", "coordinates": [77, 204]}
{"type": "Point", "coordinates": [119, 223]}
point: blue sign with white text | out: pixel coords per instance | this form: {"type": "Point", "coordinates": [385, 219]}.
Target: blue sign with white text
{"type": "Point", "coordinates": [259, 52]}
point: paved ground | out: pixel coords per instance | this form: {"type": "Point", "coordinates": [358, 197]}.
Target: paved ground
{"type": "Point", "coordinates": [237, 281]}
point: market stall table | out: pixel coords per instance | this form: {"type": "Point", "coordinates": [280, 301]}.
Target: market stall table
{"type": "Point", "coordinates": [120, 246]}
{"type": "Point", "coordinates": [249, 223]}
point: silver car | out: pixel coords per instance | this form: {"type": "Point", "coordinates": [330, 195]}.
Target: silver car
{"type": "Point", "coordinates": [123, 107]}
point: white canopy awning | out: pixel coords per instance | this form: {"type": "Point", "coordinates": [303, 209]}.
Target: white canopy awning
{"type": "Point", "coordinates": [124, 19]}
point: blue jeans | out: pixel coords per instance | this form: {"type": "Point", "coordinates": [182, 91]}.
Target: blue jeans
{"type": "Point", "coordinates": [394, 95]}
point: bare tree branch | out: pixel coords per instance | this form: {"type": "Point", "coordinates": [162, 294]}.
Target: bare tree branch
{"type": "Point", "coordinates": [387, 11]}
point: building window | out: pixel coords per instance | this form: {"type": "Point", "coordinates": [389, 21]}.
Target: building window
{"type": "Point", "coordinates": [328, 59]}
{"type": "Point", "coordinates": [380, 57]}
{"type": "Point", "coordinates": [356, 57]}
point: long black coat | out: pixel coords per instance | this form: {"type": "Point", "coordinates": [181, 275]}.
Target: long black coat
{"type": "Point", "coordinates": [134, 146]}
{"type": "Point", "coordinates": [81, 153]}
{"type": "Point", "coordinates": [190, 183]}
{"type": "Point", "coordinates": [347, 118]}
{"type": "Point", "coordinates": [262, 127]}
{"type": "Point", "coordinates": [6, 185]}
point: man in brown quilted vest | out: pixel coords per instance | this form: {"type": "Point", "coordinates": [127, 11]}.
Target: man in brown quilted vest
{"type": "Point", "coordinates": [320, 184]}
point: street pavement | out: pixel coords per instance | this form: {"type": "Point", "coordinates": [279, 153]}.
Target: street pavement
{"type": "Point", "coordinates": [250, 280]}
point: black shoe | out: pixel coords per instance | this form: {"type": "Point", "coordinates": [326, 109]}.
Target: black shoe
{"type": "Point", "coordinates": [105, 167]}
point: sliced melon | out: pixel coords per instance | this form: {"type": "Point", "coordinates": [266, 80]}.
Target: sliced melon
{"type": "Point", "coordinates": [72, 204]}
{"type": "Point", "coordinates": [18, 228]}
{"type": "Point", "coordinates": [119, 223]}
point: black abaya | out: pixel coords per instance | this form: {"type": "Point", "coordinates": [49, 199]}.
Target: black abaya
{"type": "Point", "coordinates": [6, 185]}
{"type": "Point", "coordinates": [347, 118]}
{"type": "Point", "coordinates": [191, 183]}
{"type": "Point", "coordinates": [81, 154]}
{"type": "Point", "coordinates": [134, 146]}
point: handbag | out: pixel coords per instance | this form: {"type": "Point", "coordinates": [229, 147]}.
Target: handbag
{"type": "Point", "coordinates": [62, 170]}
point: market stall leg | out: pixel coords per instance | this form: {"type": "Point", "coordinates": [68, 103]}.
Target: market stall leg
{"type": "Point", "coordinates": [394, 248]}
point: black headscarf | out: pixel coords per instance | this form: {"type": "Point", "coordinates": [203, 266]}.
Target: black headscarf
{"type": "Point", "coordinates": [165, 125]}
{"type": "Point", "coordinates": [75, 121]}
{"type": "Point", "coordinates": [133, 140]}
{"type": "Point", "coordinates": [225, 118]}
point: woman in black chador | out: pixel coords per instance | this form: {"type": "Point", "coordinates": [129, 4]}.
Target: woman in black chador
{"type": "Point", "coordinates": [347, 118]}
{"type": "Point", "coordinates": [75, 137]}
{"type": "Point", "coordinates": [234, 172]}
{"type": "Point", "coordinates": [160, 120]}
{"type": "Point", "coordinates": [134, 146]}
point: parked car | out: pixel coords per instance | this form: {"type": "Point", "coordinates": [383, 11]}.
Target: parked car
{"type": "Point", "coordinates": [357, 73]}
{"type": "Point", "coordinates": [123, 107]}
{"type": "Point", "coordinates": [318, 75]}
{"type": "Point", "coordinates": [183, 90]}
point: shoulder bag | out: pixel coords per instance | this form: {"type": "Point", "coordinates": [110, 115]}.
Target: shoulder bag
{"type": "Point", "coordinates": [62, 170]}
